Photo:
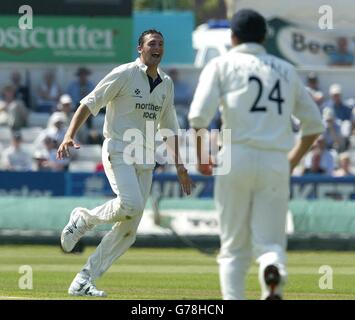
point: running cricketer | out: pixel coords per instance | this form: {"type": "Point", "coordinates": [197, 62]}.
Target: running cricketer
{"type": "Point", "coordinates": [258, 93]}
{"type": "Point", "coordinates": [133, 94]}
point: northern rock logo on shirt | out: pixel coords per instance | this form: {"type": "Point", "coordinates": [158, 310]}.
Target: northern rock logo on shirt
{"type": "Point", "coordinates": [150, 110]}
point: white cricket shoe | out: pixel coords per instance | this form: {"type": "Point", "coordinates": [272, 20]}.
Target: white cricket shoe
{"type": "Point", "coordinates": [73, 231]}
{"type": "Point", "coordinates": [84, 287]}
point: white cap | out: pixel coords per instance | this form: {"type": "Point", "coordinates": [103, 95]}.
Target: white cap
{"type": "Point", "coordinates": [335, 88]}
{"type": "Point", "coordinates": [318, 95]}
{"type": "Point", "coordinates": [65, 98]}
{"type": "Point", "coordinates": [57, 117]}
{"type": "Point", "coordinates": [40, 155]}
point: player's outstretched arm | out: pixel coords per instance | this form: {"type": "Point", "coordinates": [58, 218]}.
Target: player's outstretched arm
{"type": "Point", "coordinates": [185, 181]}
{"type": "Point", "coordinates": [204, 162]}
{"type": "Point", "coordinates": [79, 118]}
{"type": "Point", "coordinates": [300, 149]}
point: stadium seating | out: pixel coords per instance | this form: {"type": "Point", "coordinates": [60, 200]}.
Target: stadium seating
{"type": "Point", "coordinates": [5, 135]}
{"type": "Point", "coordinates": [30, 134]}
{"type": "Point", "coordinates": [29, 148]}
{"type": "Point", "coordinates": [82, 166]}
{"type": "Point", "coordinates": [90, 153]}
{"type": "Point", "coordinates": [38, 119]}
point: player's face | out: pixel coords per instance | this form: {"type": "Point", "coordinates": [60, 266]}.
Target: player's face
{"type": "Point", "coordinates": [152, 49]}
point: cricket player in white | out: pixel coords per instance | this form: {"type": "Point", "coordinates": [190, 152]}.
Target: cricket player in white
{"type": "Point", "coordinates": [134, 94]}
{"type": "Point", "coordinates": [258, 93]}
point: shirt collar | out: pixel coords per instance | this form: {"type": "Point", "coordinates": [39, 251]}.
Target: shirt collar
{"type": "Point", "coordinates": [144, 68]}
{"type": "Point", "coordinates": [141, 65]}
{"type": "Point", "coordinates": [252, 48]}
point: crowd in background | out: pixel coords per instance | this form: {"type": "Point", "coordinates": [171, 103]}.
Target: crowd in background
{"type": "Point", "coordinates": [59, 104]}
{"type": "Point", "coordinates": [330, 154]}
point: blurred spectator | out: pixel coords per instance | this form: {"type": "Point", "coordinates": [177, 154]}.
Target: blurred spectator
{"type": "Point", "coordinates": [332, 135]}
{"type": "Point", "coordinates": [56, 126]}
{"type": "Point", "coordinates": [13, 112]}
{"type": "Point", "coordinates": [48, 93]}
{"type": "Point", "coordinates": [341, 56]}
{"type": "Point", "coordinates": [344, 165]}
{"type": "Point", "coordinates": [46, 157]}
{"type": "Point", "coordinates": [315, 165]}
{"type": "Point", "coordinates": [182, 91]}
{"type": "Point", "coordinates": [65, 108]}
{"type": "Point", "coordinates": [341, 110]}
{"type": "Point", "coordinates": [327, 157]}
{"type": "Point", "coordinates": [95, 137]}
{"type": "Point", "coordinates": [22, 91]}
{"type": "Point", "coordinates": [81, 87]}
{"type": "Point", "coordinates": [182, 97]}
{"type": "Point", "coordinates": [55, 129]}
{"type": "Point", "coordinates": [350, 102]}
{"type": "Point", "coordinates": [318, 98]}
{"type": "Point", "coordinates": [14, 158]}
{"type": "Point", "coordinates": [312, 87]}
{"type": "Point", "coordinates": [39, 158]}
{"type": "Point", "coordinates": [312, 82]}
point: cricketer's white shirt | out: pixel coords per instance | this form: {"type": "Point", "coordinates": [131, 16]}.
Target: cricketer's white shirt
{"type": "Point", "coordinates": [125, 92]}
{"type": "Point", "coordinates": [258, 93]}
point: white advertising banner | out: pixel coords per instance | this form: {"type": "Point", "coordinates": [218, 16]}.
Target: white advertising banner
{"type": "Point", "coordinates": [304, 32]}
{"type": "Point", "coordinates": [300, 45]}
{"type": "Point", "coordinates": [186, 222]}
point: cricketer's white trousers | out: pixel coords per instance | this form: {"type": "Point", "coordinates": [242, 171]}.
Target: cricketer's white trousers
{"type": "Point", "coordinates": [131, 184]}
{"type": "Point", "coordinates": [252, 202]}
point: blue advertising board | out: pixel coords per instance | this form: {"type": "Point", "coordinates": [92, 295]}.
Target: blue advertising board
{"type": "Point", "coordinates": [36, 184]}
{"type": "Point", "coordinates": [166, 185]}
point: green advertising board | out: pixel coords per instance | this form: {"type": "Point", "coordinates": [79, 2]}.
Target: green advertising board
{"type": "Point", "coordinates": [67, 39]}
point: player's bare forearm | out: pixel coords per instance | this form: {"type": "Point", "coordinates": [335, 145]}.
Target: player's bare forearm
{"type": "Point", "coordinates": [183, 176]}
{"type": "Point", "coordinates": [300, 149]}
{"type": "Point", "coordinates": [204, 163]}
{"type": "Point", "coordinates": [172, 143]}
{"type": "Point", "coordinates": [79, 118]}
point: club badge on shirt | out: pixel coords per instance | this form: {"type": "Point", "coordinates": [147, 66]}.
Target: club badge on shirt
{"type": "Point", "coordinates": [137, 93]}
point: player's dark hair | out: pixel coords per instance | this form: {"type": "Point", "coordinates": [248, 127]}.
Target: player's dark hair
{"type": "Point", "coordinates": [144, 33]}
{"type": "Point", "coordinates": [249, 26]}
{"type": "Point", "coordinates": [251, 38]}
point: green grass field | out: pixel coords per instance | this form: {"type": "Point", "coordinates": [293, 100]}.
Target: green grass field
{"type": "Point", "coordinates": [158, 274]}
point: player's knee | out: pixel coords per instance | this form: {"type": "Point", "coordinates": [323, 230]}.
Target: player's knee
{"type": "Point", "coordinates": [130, 208]}
{"type": "Point", "coordinates": [134, 206]}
